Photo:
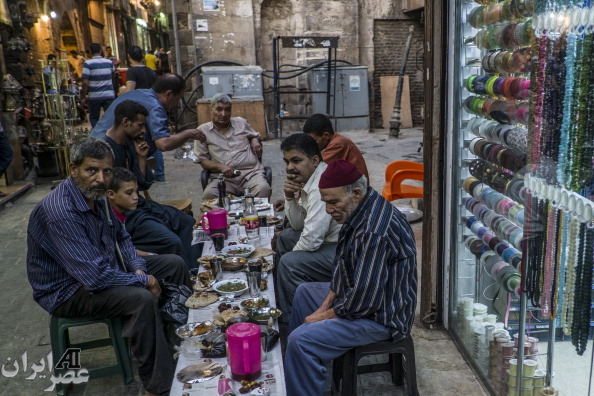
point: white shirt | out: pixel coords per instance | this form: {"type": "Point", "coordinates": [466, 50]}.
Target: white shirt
{"type": "Point", "coordinates": [309, 216]}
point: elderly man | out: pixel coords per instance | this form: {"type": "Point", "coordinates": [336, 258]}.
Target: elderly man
{"type": "Point", "coordinates": [75, 271]}
{"type": "Point", "coordinates": [305, 251]}
{"type": "Point", "coordinates": [372, 295]}
{"type": "Point", "coordinates": [231, 145]}
{"type": "Point", "coordinates": [163, 97]}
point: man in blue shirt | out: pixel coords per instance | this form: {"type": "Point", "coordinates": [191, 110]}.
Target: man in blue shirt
{"type": "Point", "coordinates": [74, 269]}
{"type": "Point", "coordinates": [163, 97]}
{"type": "Point", "coordinates": [372, 295]}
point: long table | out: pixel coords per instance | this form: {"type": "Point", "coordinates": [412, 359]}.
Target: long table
{"type": "Point", "coordinates": [273, 363]}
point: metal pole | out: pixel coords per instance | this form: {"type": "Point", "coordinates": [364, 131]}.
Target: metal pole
{"type": "Point", "coordinates": [550, 346]}
{"type": "Point", "coordinates": [275, 88]}
{"type": "Point", "coordinates": [329, 82]}
{"type": "Point", "coordinates": [521, 331]}
{"type": "Point", "coordinates": [395, 120]}
{"type": "Point", "coordinates": [178, 67]}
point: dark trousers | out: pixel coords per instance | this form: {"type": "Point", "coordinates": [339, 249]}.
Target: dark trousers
{"type": "Point", "coordinates": [296, 267]}
{"type": "Point", "coordinates": [139, 310]}
{"type": "Point", "coordinates": [95, 107]}
{"type": "Point", "coordinates": [162, 229]}
{"type": "Point", "coordinates": [5, 152]}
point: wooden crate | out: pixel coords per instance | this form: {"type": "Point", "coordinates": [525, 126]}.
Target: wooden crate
{"type": "Point", "coordinates": [251, 110]}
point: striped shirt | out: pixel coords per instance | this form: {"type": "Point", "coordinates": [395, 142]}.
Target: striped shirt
{"type": "Point", "coordinates": [99, 72]}
{"type": "Point", "coordinates": [70, 246]}
{"type": "Point", "coordinates": [376, 275]}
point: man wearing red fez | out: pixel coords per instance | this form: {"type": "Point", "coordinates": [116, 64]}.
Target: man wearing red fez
{"type": "Point", "coordinates": [305, 251]}
{"type": "Point", "coordinates": [372, 294]}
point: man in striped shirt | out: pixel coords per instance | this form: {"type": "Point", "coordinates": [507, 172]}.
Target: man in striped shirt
{"type": "Point", "coordinates": [74, 270]}
{"type": "Point", "coordinates": [372, 295]}
{"type": "Point", "coordinates": [97, 88]}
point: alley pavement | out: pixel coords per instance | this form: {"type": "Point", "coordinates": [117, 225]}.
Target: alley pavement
{"type": "Point", "coordinates": [24, 326]}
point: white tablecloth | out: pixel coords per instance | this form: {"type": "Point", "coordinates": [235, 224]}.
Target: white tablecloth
{"type": "Point", "coordinates": [273, 363]}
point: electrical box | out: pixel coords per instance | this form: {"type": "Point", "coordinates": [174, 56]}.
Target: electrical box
{"type": "Point", "coordinates": [236, 81]}
{"type": "Point", "coordinates": [351, 105]}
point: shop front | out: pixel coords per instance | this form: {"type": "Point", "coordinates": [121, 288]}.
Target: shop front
{"type": "Point", "coordinates": [518, 248]}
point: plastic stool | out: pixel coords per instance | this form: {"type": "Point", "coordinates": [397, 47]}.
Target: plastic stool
{"type": "Point", "coordinates": [60, 341]}
{"type": "Point", "coordinates": [346, 367]}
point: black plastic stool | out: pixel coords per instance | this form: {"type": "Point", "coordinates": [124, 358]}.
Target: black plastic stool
{"type": "Point", "coordinates": [346, 368]}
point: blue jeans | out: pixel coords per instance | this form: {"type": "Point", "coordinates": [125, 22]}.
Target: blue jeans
{"type": "Point", "coordinates": [159, 171]}
{"type": "Point", "coordinates": [95, 107]}
{"type": "Point", "coordinates": [311, 346]}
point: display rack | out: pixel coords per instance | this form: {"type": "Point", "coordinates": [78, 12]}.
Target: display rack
{"type": "Point", "coordinates": [521, 154]}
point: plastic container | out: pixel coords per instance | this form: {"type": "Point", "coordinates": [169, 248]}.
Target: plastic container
{"type": "Point", "coordinates": [244, 351]}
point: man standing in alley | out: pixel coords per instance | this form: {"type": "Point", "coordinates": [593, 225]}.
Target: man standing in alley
{"type": "Point", "coordinates": [161, 98]}
{"type": "Point", "coordinates": [97, 88]}
{"type": "Point", "coordinates": [373, 291]}
{"type": "Point", "coordinates": [333, 145]}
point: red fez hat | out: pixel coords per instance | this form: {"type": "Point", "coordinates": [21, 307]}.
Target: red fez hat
{"type": "Point", "coordinates": [339, 173]}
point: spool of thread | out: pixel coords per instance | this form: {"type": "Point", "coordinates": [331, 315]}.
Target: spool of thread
{"type": "Point", "coordinates": [507, 350]}
{"type": "Point", "coordinates": [539, 378]}
{"type": "Point", "coordinates": [530, 367]}
{"type": "Point", "coordinates": [528, 391]}
{"type": "Point", "coordinates": [513, 366]}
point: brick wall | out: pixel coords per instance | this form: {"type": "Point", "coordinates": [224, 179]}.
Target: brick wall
{"type": "Point", "coordinates": [389, 41]}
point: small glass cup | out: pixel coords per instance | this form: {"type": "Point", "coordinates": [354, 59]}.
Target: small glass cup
{"type": "Point", "coordinates": [218, 241]}
{"type": "Point", "coordinates": [253, 279]}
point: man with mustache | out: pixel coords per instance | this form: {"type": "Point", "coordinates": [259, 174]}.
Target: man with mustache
{"type": "Point", "coordinates": [231, 145]}
{"type": "Point", "coordinates": [75, 272]}
{"type": "Point", "coordinates": [158, 228]}
{"type": "Point", "coordinates": [305, 251]}
{"type": "Point", "coordinates": [373, 291]}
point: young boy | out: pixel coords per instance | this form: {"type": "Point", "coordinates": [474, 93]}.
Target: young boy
{"type": "Point", "coordinates": [149, 234]}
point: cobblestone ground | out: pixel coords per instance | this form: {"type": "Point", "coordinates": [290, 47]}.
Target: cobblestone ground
{"type": "Point", "coordinates": [24, 325]}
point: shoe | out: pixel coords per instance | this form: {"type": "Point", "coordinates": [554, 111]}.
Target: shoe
{"type": "Point", "coordinates": [159, 178]}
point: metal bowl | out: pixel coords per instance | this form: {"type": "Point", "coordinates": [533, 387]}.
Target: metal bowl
{"type": "Point", "coordinates": [262, 315]}
{"type": "Point", "coordinates": [252, 304]}
{"type": "Point", "coordinates": [231, 250]}
{"type": "Point", "coordinates": [187, 331]}
{"type": "Point", "coordinates": [234, 263]}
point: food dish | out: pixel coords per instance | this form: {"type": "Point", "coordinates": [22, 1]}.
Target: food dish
{"type": "Point", "coordinates": [254, 303]}
{"type": "Point", "coordinates": [272, 220]}
{"type": "Point", "coordinates": [200, 372]}
{"type": "Point", "coordinates": [205, 260]}
{"type": "Point", "coordinates": [230, 287]}
{"type": "Point", "coordinates": [198, 329]}
{"type": "Point", "coordinates": [263, 315]}
{"type": "Point", "coordinates": [239, 250]}
{"type": "Point", "coordinates": [200, 300]}
{"type": "Point", "coordinates": [234, 263]}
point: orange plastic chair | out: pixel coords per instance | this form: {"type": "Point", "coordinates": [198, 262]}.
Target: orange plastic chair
{"type": "Point", "coordinates": [396, 173]}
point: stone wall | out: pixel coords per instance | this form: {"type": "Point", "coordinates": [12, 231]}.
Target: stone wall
{"type": "Point", "coordinates": [389, 42]}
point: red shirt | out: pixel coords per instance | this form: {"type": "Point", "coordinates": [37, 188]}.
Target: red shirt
{"type": "Point", "coordinates": [341, 147]}
{"type": "Point", "coordinates": [121, 216]}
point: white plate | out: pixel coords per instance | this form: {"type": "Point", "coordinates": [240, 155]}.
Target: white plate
{"type": "Point", "coordinates": [233, 293]}
{"type": "Point", "coordinates": [226, 250]}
